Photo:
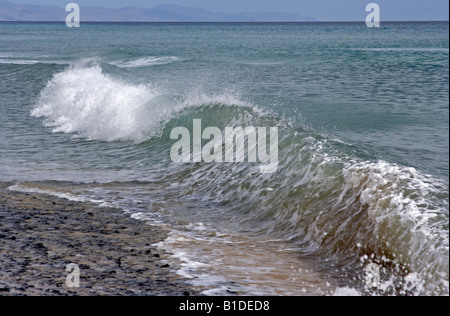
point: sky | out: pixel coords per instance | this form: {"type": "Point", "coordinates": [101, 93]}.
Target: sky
{"type": "Point", "coordinates": [324, 10]}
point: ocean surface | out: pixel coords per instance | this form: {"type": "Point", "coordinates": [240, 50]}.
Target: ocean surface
{"type": "Point", "coordinates": [359, 204]}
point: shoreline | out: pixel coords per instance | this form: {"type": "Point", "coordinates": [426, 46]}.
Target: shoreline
{"type": "Point", "coordinates": [40, 235]}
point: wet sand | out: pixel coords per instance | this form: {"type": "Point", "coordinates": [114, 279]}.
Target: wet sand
{"type": "Point", "coordinates": [40, 235]}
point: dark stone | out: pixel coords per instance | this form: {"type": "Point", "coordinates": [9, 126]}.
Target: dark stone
{"type": "Point", "coordinates": [70, 232]}
{"type": "Point", "coordinates": [39, 246]}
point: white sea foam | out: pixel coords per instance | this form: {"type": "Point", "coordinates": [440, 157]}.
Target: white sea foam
{"type": "Point", "coordinates": [147, 61]}
{"type": "Point", "coordinates": [63, 195]}
{"type": "Point", "coordinates": [85, 101]}
{"type": "Point", "coordinates": [346, 291]}
{"type": "Point", "coordinates": [386, 187]}
{"type": "Point", "coordinates": [29, 61]}
{"type": "Point", "coordinates": [405, 204]}
{"type": "Point", "coordinates": [18, 61]}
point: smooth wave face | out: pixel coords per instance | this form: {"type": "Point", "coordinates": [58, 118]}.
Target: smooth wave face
{"type": "Point", "coordinates": [337, 206]}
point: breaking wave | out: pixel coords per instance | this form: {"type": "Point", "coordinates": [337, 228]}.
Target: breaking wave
{"type": "Point", "coordinates": [324, 198]}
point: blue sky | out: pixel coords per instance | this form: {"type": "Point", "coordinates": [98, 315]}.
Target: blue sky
{"type": "Point", "coordinates": [324, 10]}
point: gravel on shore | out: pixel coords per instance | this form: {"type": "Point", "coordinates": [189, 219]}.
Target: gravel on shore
{"type": "Point", "coordinates": [40, 235]}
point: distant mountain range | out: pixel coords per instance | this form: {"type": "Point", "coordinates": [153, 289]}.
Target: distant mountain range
{"type": "Point", "coordinates": [161, 13]}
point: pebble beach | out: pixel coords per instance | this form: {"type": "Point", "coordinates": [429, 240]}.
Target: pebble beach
{"type": "Point", "coordinates": [40, 235]}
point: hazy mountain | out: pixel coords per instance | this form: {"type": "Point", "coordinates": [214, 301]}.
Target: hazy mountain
{"type": "Point", "coordinates": [18, 12]}
{"type": "Point", "coordinates": [204, 15]}
{"type": "Point", "coordinates": [162, 13]}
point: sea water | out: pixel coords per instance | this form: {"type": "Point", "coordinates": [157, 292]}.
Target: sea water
{"type": "Point", "coordinates": [362, 114]}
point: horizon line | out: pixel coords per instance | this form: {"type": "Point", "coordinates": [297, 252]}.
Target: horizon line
{"type": "Point", "coordinates": [231, 22]}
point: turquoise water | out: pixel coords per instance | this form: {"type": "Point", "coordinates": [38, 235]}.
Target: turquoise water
{"type": "Point", "coordinates": [363, 121]}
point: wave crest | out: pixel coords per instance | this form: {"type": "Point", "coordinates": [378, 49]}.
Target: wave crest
{"type": "Point", "coordinates": [86, 101]}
